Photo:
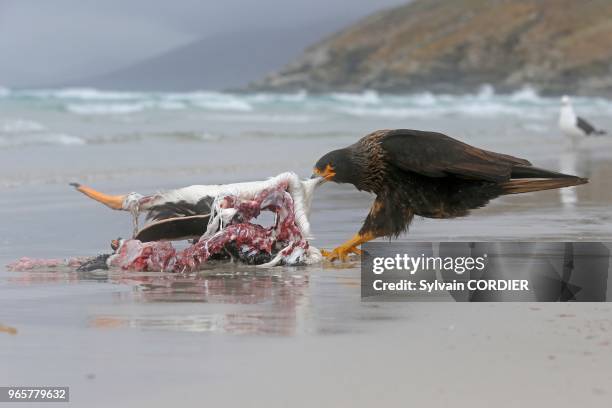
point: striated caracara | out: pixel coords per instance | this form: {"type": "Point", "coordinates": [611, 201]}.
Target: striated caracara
{"type": "Point", "coordinates": [414, 172]}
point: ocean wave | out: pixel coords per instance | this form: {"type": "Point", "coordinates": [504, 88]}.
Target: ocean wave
{"type": "Point", "coordinates": [526, 94]}
{"type": "Point", "coordinates": [105, 109]}
{"type": "Point", "coordinates": [40, 139]}
{"type": "Point", "coordinates": [225, 105]}
{"type": "Point", "coordinates": [213, 101]}
{"type": "Point", "coordinates": [170, 105]}
{"type": "Point", "coordinates": [19, 126]}
{"type": "Point", "coordinates": [23, 132]}
{"type": "Point", "coordinates": [367, 97]}
{"type": "Point", "coordinates": [486, 91]}
{"type": "Point", "coordinates": [396, 112]}
{"type": "Point", "coordinates": [408, 111]}
{"type": "Point", "coordinates": [426, 99]}
{"type": "Point", "coordinates": [267, 118]}
{"type": "Point", "coordinates": [193, 136]}
{"type": "Point", "coordinates": [88, 94]}
{"type": "Point", "coordinates": [210, 100]}
{"type": "Point", "coordinates": [525, 102]}
{"type": "Point", "coordinates": [64, 139]}
{"type": "Point", "coordinates": [273, 98]}
{"type": "Point", "coordinates": [208, 137]}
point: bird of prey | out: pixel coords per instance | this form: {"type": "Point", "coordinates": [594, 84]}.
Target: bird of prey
{"type": "Point", "coordinates": [574, 126]}
{"type": "Point", "coordinates": [429, 174]}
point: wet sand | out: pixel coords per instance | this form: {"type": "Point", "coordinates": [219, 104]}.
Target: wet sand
{"type": "Point", "coordinates": [299, 336]}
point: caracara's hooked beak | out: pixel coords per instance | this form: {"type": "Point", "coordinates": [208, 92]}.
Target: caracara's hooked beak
{"type": "Point", "coordinates": [318, 179]}
{"type": "Point", "coordinates": [115, 202]}
{"type": "Point", "coordinates": [326, 175]}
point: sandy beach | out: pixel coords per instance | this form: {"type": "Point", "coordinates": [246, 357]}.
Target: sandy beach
{"type": "Point", "coordinates": [237, 335]}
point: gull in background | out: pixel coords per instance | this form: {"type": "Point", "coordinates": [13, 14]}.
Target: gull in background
{"type": "Point", "coordinates": [573, 126]}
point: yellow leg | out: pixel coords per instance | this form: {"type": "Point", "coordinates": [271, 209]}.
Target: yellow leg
{"type": "Point", "coordinates": [349, 247]}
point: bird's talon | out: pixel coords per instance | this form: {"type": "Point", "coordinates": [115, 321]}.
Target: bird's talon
{"type": "Point", "coordinates": [340, 253]}
{"type": "Point", "coordinates": [329, 255]}
{"type": "Point", "coordinates": [326, 254]}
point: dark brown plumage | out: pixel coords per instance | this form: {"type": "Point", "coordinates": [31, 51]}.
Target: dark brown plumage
{"type": "Point", "coordinates": [429, 174]}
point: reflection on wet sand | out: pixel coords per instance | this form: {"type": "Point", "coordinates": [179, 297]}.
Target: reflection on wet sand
{"type": "Point", "coordinates": [226, 299]}
{"type": "Point", "coordinates": [7, 329]}
{"type": "Point", "coordinates": [580, 162]}
{"type": "Point", "coordinates": [56, 275]}
{"type": "Point", "coordinates": [567, 165]}
{"type": "Point", "coordinates": [272, 300]}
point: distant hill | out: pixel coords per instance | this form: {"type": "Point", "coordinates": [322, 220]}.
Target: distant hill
{"type": "Point", "coordinates": [558, 46]}
{"type": "Point", "coordinates": [214, 63]}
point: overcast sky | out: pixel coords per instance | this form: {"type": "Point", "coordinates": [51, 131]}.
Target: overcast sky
{"type": "Point", "coordinates": [46, 41]}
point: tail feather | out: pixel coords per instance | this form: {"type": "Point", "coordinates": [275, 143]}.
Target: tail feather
{"type": "Point", "coordinates": [527, 185]}
{"type": "Point", "coordinates": [529, 172]}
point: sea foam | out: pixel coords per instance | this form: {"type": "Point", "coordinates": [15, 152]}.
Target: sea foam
{"type": "Point", "coordinates": [485, 102]}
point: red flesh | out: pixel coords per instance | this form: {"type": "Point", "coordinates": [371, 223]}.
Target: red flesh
{"type": "Point", "coordinates": [161, 256]}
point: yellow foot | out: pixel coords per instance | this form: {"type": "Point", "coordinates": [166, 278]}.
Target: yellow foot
{"type": "Point", "coordinates": [340, 253]}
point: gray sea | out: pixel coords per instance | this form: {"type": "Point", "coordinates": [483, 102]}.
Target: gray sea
{"type": "Point", "coordinates": [286, 336]}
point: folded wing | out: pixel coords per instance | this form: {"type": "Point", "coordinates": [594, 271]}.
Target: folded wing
{"type": "Point", "coordinates": [436, 155]}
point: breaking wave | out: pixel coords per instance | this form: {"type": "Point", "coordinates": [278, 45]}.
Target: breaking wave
{"type": "Point", "coordinates": [364, 98]}
{"type": "Point", "coordinates": [485, 102]}
{"type": "Point", "coordinates": [131, 103]}
{"type": "Point", "coordinates": [88, 94]}
{"type": "Point", "coordinates": [23, 132]}
{"type": "Point", "coordinates": [105, 108]}
{"type": "Point", "coordinates": [76, 116]}
{"type": "Point", "coordinates": [40, 139]}
{"type": "Point", "coordinates": [19, 126]}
